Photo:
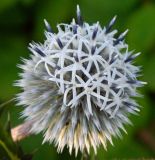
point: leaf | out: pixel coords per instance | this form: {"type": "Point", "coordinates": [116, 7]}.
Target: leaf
{"type": "Point", "coordinates": [12, 48]}
{"type": "Point", "coordinates": [149, 74]}
{"type": "Point", "coordinates": [6, 4]}
{"type": "Point", "coordinates": [142, 28]}
{"type": "Point", "coordinates": [10, 154]}
{"type": "Point", "coordinates": [101, 10]}
{"type": "Point", "coordinates": [8, 125]}
{"type": "Point", "coordinates": [5, 137]}
{"type": "Point", "coordinates": [28, 2]}
{"type": "Point", "coordinates": [7, 144]}
{"type": "Point", "coordinates": [54, 13]}
{"type": "Point", "coordinates": [4, 105]}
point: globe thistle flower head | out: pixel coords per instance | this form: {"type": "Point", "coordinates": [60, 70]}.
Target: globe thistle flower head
{"type": "Point", "coordinates": [79, 85]}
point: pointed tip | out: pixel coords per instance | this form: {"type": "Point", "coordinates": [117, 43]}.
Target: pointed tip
{"type": "Point", "coordinates": [120, 38]}
{"type": "Point", "coordinates": [124, 33]}
{"type": "Point", "coordinates": [79, 17]}
{"type": "Point", "coordinates": [48, 27]}
{"type": "Point", "coordinates": [113, 20]}
{"type": "Point", "coordinates": [143, 83]}
{"type": "Point", "coordinates": [45, 21]}
{"type": "Point", "coordinates": [115, 16]}
{"type": "Point", "coordinates": [78, 8]}
{"type": "Point", "coordinates": [73, 21]}
{"type": "Point", "coordinates": [78, 12]}
{"type": "Point", "coordinates": [132, 57]}
{"type": "Point", "coordinates": [137, 54]}
{"type": "Point", "coordinates": [108, 28]}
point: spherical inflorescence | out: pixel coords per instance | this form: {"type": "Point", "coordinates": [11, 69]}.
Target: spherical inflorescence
{"type": "Point", "coordinates": [79, 85]}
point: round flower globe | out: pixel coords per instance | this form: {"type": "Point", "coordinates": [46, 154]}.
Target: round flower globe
{"type": "Point", "coordinates": [78, 87]}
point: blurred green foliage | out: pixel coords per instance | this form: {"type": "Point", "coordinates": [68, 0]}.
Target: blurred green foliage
{"type": "Point", "coordinates": [21, 21]}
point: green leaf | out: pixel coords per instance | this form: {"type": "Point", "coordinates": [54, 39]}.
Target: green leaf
{"type": "Point", "coordinates": [101, 10]}
{"type": "Point", "coordinates": [7, 144]}
{"type": "Point", "coordinates": [142, 28]}
{"type": "Point", "coordinates": [54, 13]}
{"type": "Point", "coordinates": [9, 153]}
{"type": "Point", "coordinates": [28, 2]}
{"type": "Point", "coordinates": [8, 124]}
{"type": "Point", "coordinates": [12, 48]}
{"type": "Point", "coordinates": [4, 4]}
{"type": "Point", "coordinates": [4, 136]}
{"type": "Point", "coordinates": [4, 105]}
{"type": "Point", "coordinates": [149, 74]}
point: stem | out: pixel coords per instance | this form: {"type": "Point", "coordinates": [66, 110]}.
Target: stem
{"type": "Point", "coordinates": [20, 132]}
{"type": "Point", "coordinates": [7, 102]}
{"type": "Point", "coordinates": [10, 154]}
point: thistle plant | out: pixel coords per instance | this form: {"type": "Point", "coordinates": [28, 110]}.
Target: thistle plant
{"type": "Point", "coordinates": [78, 87]}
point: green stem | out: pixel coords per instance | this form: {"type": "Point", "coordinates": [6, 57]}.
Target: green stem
{"type": "Point", "coordinates": [10, 154]}
{"type": "Point", "coordinates": [5, 103]}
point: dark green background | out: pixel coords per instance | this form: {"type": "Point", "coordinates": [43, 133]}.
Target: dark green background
{"type": "Point", "coordinates": [21, 21]}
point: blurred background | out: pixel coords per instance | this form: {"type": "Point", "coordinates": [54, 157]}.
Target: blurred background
{"type": "Point", "coordinates": [21, 21]}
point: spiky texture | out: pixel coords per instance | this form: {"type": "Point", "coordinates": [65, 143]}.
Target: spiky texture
{"type": "Point", "coordinates": [78, 86]}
